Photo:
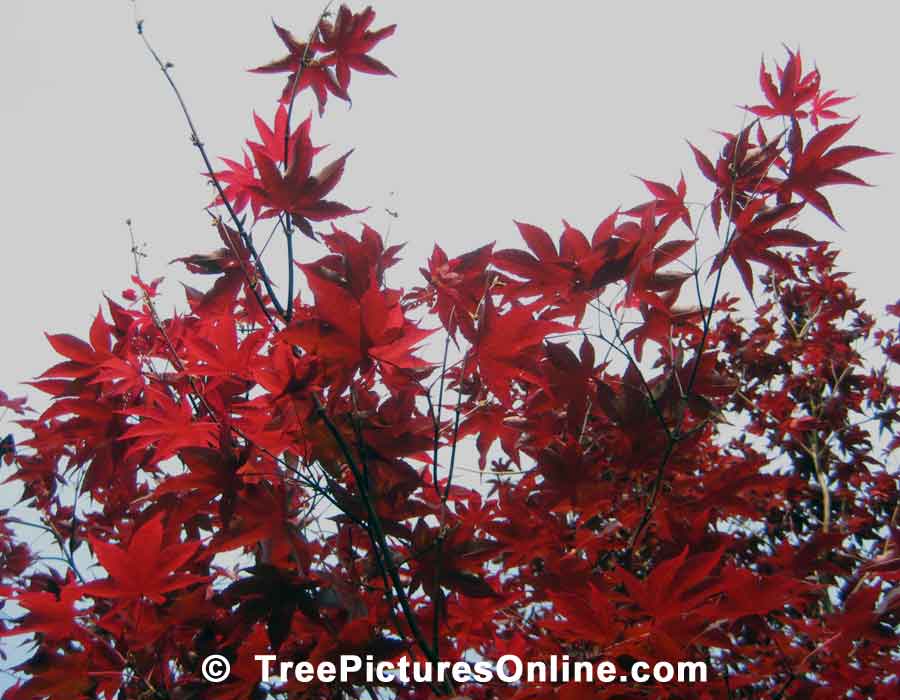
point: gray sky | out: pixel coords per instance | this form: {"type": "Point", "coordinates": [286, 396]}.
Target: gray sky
{"type": "Point", "coordinates": [533, 111]}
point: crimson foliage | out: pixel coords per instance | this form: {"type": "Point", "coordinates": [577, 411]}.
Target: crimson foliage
{"type": "Point", "coordinates": [278, 475]}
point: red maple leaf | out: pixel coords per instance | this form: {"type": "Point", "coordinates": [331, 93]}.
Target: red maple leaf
{"type": "Point", "coordinates": [659, 322]}
{"type": "Point", "coordinates": [347, 332]}
{"type": "Point", "coordinates": [296, 191]}
{"type": "Point", "coordinates": [823, 104]}
{"type": "Point", "coordinates": [565, 282]}
{"type": "Point", "coordinates": [815, 166]}
{"type": "Point", "coordinates": [676, 587]}
{"type": "Point", "coordinates": [645, 281]}
{"type": "Point", "coordinates": [501, 344]}
{"type": "Point", "coordinates": [741, 171]}
{"type": "Point", "coordinates": [84, 360]}
{"type": "Point", "coordinates": [239, 179]}
{"type": "Point", "coordinates": [456, 287]}
{"type": "Point", "coordinates": [794, 89]}
{"type": "Point", "coordinates": [60, 676]}
{"type": "Point", "coordinates": [272, 139]}
{"type": "Point", "coordinates": [754, 236]}
{"type": "Point", "coordinates": [668, 201]}
{"type": "Point", "coordinates": [16, 405]}
{"type": "Point", "coordinates": [51, 613]}
{"type": "Point", "coordinates": [167, 425]}
{"type": "Point", "coordinates": [144, 568]}
{"type": "Point", "coordinates": [350, 41]}
{"type": "Point", "coordinates": [312, 73]}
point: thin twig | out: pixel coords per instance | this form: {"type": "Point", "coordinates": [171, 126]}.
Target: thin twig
{"type": "Point", "coordinates": [166, 67]}
{"type": "Point", "coordinates": [303, 63]}
{"type": "Point", "coordinates": [377, 533]}
{"type": "Point", "coordinates": [698, 355]}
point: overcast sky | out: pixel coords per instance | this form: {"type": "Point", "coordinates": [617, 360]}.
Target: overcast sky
{"type": "Point", "coordinates": [536, 111]}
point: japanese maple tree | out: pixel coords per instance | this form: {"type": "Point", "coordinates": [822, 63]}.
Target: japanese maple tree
{"type": "Point", "coordinates": [670, 469]}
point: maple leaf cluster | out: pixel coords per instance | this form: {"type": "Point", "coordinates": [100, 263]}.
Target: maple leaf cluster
{"type": "Point", "coordinates": [295, 474]}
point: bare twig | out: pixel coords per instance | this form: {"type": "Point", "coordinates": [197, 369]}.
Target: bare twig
{"type": "Point", "coordinates": [166, 69]}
